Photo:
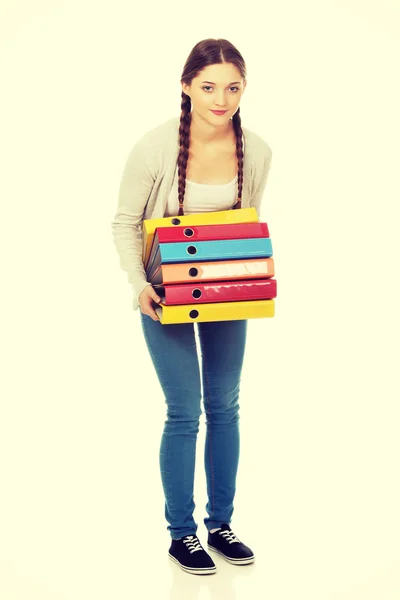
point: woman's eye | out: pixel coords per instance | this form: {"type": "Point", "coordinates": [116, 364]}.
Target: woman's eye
{"type": "Point", "coordinates": [232, 87]}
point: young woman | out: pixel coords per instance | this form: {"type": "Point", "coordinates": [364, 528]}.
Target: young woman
{"type": "Point", "coordinates": [202, 161]}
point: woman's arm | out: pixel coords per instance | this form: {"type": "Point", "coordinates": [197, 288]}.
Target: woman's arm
{"type": "Point", "coordinates": [263, 169]}
{"type": "Point", "coordinates": [137, 181]}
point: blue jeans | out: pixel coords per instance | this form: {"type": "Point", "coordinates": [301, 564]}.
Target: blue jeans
{"type": "Point", "coordinates": [173, 351]}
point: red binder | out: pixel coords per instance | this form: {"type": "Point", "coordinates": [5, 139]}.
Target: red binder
{"type": "Point", "coordinates": [203, 233]}
{"type": "Point", "coordinates": [227, 291]}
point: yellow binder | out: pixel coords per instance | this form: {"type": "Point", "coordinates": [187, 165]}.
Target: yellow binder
{"type": "Point", "coordinates": [219, 311]}
{"type": "Point", "coordinates": [222, 217]}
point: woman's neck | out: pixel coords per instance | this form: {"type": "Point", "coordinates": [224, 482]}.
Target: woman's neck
{"type": "Point", "coordinates": [203, 133]}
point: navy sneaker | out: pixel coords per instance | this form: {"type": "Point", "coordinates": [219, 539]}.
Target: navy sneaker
{"type": "Point", "coordinates": [189, 554]}
{"type": "Point", "coordinates": [225, 542]}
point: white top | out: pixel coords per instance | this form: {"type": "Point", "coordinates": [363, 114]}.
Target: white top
{"type": "Point", "coordinates": [202, 197]}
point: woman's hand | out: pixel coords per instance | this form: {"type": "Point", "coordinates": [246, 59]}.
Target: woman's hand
{"type": "Point", "coordinates": [145, 298]}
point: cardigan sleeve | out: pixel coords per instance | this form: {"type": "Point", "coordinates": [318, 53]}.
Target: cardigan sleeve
{"type": "Point", "coordinates": [262, 171]}
{"type": "Point", "coordinates": [138, 177]}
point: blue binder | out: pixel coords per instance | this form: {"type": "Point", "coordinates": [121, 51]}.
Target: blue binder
{"type": "Point", "coordinates": [180, 252]}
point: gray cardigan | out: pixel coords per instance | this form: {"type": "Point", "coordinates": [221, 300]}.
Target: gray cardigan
{"type": "Point", "coordinates": [147, 179]}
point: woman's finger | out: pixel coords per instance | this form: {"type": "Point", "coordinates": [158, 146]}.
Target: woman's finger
{"type": "Point", "coordinates": [151, 313]}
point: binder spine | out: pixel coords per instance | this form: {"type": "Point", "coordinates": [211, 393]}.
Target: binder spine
{"type": "Point", "coordinates": [257, 268]}
{"type": "Point", "coordinates": [221, 311]}
{"type": "Point", "coordinates": [229, 291]}
{"type": "Point", "coordinates": [202, 233]}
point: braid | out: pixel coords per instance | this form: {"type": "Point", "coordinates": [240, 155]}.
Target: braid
{"type": "Point", "coordinates": [237, 125]}
{"type": "Point", "coordinates": [184, 141]}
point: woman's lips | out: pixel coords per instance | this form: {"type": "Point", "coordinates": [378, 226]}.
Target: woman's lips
{"type": "Point", "coordinates": [219, 112]}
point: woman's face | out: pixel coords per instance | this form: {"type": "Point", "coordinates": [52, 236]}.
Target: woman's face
{"type": "Point", "coordinates": [216, 87]}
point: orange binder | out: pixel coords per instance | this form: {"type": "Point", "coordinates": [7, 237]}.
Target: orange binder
{"type": "Point", "coordinates": [218, 270]}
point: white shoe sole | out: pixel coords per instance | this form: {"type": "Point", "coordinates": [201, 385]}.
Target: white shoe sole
{"type": "Point", "coordinates": [234, 561]}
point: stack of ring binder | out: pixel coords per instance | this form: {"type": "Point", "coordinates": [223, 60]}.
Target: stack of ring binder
{"type": "Point", "coordinates": [215, 266]}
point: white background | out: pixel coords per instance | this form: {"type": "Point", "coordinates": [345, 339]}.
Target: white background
{"type": "Point", "coordinates": [81, 503]}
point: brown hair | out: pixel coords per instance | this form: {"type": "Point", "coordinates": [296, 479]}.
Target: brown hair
{"type": "Point", "coordinates": [207, 52]}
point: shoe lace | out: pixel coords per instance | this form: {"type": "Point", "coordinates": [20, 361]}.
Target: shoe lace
{"type": "Point", "coordinates": [229, 536]}
{"type": "Point", "coordinates": [192, 543]}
